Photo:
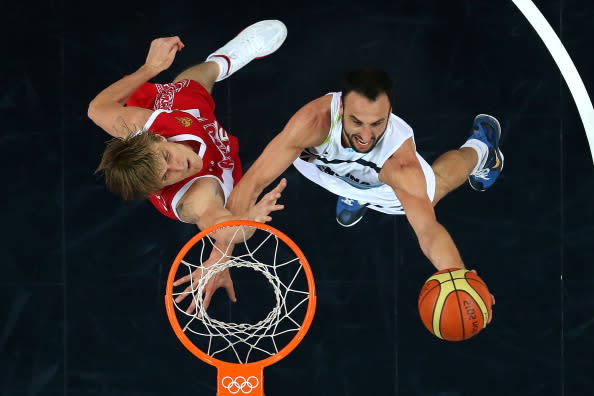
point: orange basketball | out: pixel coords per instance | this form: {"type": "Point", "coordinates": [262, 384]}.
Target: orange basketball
{"type": "Point", "coordinates": [455, 304]}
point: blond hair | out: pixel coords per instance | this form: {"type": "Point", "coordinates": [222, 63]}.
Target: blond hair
{"type": "Point", "coordinates": [130, 166]}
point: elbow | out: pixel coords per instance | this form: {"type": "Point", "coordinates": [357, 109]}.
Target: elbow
{"type": "Point", "coordinates": [92, 111]}
{"type": "Point", "coordinates": [97, 112]}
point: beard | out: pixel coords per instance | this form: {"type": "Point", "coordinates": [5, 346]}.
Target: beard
{"type": "Point", "coordinates": [353, 142]}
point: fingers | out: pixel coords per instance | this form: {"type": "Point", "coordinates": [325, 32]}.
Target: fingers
{"type": "Point", "coordinates": [219, 280]}
{"type": "Point", "coordinates": [281, 185]}
{"type": "Point", "coordinates": [206, 301]}
{"type": "Point", "coordinates": [178, 43]}
{"type": "Point", "coordinates": [188, 290]}
{"type": "Point", "coordinates": [492, 303]}
{"type": "Point", "coordinates": [268, 203]}
{"type": "Point", "coordinates": [162, 52]}
{"type": "Point", "coordinates": [272, 196]}
{"type": "Point", "coordinates": [182, 296]}
{"type": "Point", "coordinates": [175, 45]}
{"type": "Point", "coordinates": [173, 41]}
{"type": "Point", "coordinates": [192, 307]}
{"type": "Point", "coordinates": [231, 292]}
{"type": "Point", "coordinates": [182, 280]}
{"type": "Point", "coordinates": [275, 194]}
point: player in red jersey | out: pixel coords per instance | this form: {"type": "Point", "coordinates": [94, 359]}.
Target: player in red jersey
{"type": "Point", "coordinates": [169, 147]}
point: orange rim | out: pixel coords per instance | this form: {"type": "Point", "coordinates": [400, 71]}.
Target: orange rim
{"type": "Point", "coordinates": [233, 367]}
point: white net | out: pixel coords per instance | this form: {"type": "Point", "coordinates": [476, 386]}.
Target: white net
{"type": "Point", "coordinates": [274, 277]}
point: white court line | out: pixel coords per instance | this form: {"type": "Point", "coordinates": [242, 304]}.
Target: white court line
{"type": "Point", "coordinates": [565, 64]}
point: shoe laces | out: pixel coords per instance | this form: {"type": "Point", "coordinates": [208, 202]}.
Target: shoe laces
{"type": "Point", "coordinates": [348, 201]}
{"type": "Point", "coordinates": [482, 174]}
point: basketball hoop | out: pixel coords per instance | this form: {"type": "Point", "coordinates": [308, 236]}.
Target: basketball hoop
{"type": "Point", "coordinates": [240, 351]}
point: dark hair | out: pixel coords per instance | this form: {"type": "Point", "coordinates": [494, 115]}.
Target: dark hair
{"type": "Point", "coordinates": [369, 82]}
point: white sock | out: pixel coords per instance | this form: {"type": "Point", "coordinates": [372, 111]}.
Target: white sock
{"type": "Point", "coordinates": [223, 65]}
{"type": "Point", "coordinates": [481, 150]}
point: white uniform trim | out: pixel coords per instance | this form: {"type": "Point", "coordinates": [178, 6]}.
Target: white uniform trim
{"type": "Point", "coordinates": [178, 195]}
{"type": "Point", "coordinates": [186, 137]}
{"type": "Point", "coordinates": [193, 112]}
{"type": "Point", "coordinates": [354, 175]}
{"type": "Point", "coordinates": [227, 174]}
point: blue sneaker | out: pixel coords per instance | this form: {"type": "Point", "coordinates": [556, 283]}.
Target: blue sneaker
{"type": "Point", "coordinates": [487, 129]}
{"type": "Point", "coordinates": [349, 212]}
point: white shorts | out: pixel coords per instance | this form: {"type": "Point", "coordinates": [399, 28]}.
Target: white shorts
{"type": "Point", "coordinates": [382, 198]}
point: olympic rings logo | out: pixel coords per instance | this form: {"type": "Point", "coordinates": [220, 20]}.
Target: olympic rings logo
{"type": "Point", "coordinates": [240, 384]}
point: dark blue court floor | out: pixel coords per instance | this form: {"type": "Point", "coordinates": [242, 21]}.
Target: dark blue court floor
{"type": "Point", "coordinates": [83, 274]}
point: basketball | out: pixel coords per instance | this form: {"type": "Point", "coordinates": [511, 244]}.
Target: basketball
{"type": "Point", "coordinates": [455, 304]}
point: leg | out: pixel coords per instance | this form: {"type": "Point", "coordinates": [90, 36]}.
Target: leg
{"type": "Point", "coordinates": [255, 41]}
{"type": "Point", "coordinates": [204, 73]}
{"type": "Point", "coordinates": [452, 169]}
{"type": "Point", "coordinates": [479, 159]}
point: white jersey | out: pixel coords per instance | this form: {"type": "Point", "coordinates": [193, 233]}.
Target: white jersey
{"type": "Point", "coordinates": [354, 175]}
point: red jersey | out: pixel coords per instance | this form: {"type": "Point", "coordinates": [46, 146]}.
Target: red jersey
{"type": "Point", "coordinates": [184, 112]}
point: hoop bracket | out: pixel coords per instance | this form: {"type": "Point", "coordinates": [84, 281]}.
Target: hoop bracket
{"type": "Point", "coordinates": [240, 379]}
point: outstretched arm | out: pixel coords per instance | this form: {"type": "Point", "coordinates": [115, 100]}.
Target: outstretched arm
{"type": "Point", "coordinates": [403, 173]}
{"type": "Point", "coordinates": [307, 128]}
{"type": "Point", "coordinates": [203, 204]}
{"type": "Point", "coordinates": [107, 110]}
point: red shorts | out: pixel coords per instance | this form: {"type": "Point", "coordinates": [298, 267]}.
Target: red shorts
{"type": "Point", "coordinates": [182, 95]}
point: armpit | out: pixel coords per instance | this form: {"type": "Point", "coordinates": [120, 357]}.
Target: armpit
{"type": "Point", "coordinates": [186, 213]}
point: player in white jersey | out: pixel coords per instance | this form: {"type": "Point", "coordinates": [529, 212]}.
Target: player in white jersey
{"type": "Point", "coordinates": [353, 174]}
{"type": "Point", "coordinates": [351, 144]}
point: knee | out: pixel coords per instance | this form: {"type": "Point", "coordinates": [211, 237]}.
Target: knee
{"type": "Point", "coordinates": [442, 187]}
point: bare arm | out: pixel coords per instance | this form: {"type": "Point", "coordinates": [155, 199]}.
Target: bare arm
{"type": "Point", "coordinates": [308, 127]}
{"type": "Point", "coordinates": [403, 173]}
{"type": "Point", "coordinates": [107, 109]}
{"type": "Point", "coordinates": [203, 205]}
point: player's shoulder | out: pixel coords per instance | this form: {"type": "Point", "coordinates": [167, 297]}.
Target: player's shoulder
{"type": "Point", "coordinates": [203, 190]}
{"type": "Point", "coordinates": [309, 126]}
{"type": "Point", "coordinates": [400, 125]}
{"type": "Point", "coordinates": [202, 195]}
{"type": "Point", "coordinates": [316, 112]}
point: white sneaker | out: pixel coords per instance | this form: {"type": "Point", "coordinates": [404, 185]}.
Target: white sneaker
{"type": "Point", "coordinates": [254, 42]}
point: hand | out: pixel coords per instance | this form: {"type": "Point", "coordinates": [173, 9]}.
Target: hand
{"type": "Point", "coordinates": [162, 53]}
{"type": "Point", "coordinates": [260, 212]}
{"type": "Point", "coordinates": [221, 279]}
{"type": "Point", "coordinates": [492, 302]}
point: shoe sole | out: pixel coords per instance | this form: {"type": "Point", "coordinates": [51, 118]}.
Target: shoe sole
{"type": "Point", "coordinates": [284, 30]}
{"type": "Point", "coordinates": [350, 225]}
{"type": "Point", "coordinates": [498, 134]}
{"type": "Point", "coordinates": [282, 36]}
{"type": "Point", "coordinates": [498, 150]}
{"type": "Point", "coordinates": [496, 122]}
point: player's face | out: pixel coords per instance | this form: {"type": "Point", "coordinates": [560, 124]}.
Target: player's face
{"type": "Point", "coordinates": [364, 121]}
{"type": "Point", "coordinates": [177, 161]}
